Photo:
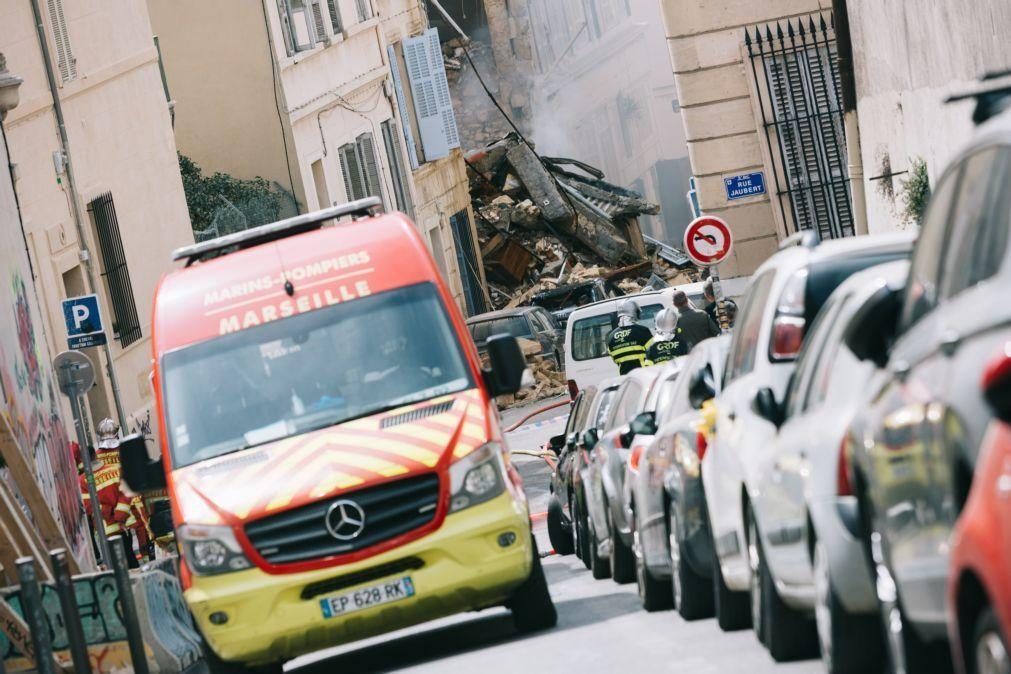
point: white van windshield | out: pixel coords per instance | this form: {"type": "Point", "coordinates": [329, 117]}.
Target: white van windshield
{"type": "Point", "coordinates": [310, 371]}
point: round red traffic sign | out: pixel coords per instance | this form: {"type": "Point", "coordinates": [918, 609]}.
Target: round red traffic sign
{"type": "Point", "coordinates": [708, 240]}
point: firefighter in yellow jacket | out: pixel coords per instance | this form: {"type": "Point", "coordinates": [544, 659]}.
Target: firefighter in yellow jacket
{"type": "Point", "coordinates": [627, 343]}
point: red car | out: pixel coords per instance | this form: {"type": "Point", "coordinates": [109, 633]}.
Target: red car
{"type": "Point", "coordinates": [979, 588]}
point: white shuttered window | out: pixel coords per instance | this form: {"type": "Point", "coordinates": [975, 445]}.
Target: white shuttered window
{"type": "Point", "coordinates": [430, 90]}
{"type": "Point", "coordinates": [65, 61]}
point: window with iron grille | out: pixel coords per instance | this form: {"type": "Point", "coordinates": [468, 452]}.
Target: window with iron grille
{"type": "Point", "coordinates": [125, 323]}
{"type": "Point", "coordinates": [65, 61]}
{"type": "Point", "coordinates": [401, 188]}
{"type": "Point", "coordinates": [360, 168]}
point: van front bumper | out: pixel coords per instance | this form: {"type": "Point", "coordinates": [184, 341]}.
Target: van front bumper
{"type": "Point", "coordinates": [464, 568]}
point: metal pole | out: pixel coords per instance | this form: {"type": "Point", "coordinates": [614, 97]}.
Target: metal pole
{"type": "Point", "coordinates": [89, 475]}
{"type": "Point", "coordinates": [130, 620]}
{"type": "Point", "coordinates": [71, 616]}
{"type": "Point", "coordinates": [35, 616]}
{"type": "Point", "coordinates": [721, 312]}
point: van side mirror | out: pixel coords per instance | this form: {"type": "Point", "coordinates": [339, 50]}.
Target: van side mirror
{"type": "Point", "coordinates": [701, 388]}
{"type": "Point", "coordinates": [140, 473]}
{"type": "Point", "coordinates": [556, 443]}
{"type": "Point", "coordinates": [644, 424]}
{"type": "Point", "coordinates": [590, 438]}
{"type": "Point", "coordinates": [507, 365]}
{"type": "Point", "coordinates": [765, 406]}
{"type": "Point", "coordinates": [874, 326]}
{"type": "Point", "coordinates": [997, 385]}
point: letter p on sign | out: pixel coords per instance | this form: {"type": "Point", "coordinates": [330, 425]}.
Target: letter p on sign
{"type": "Point", "coordinates": [81, 313]}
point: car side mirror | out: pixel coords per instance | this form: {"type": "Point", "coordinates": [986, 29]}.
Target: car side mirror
{"type": "Point", "coordinates": [573, 439]}
{"type": "Point", "coordinates": [701, 388]}
{"type": "Point", "coordinates": [556, 444]}
{"type": "Point", "coordinates": [874, 326]}
{"type": "Point", "coordinates": [507, 365]}
{"type": "Point", "coordinates": [590, 438]}
{"type": "Point", "coordinates": [140, 473]}
{"type": "Point", "coordinates": [997, 385]}
{"type": "Point", "coordinates": [765, 406]}
{"type": "Point", "coordinates": [644, 424]}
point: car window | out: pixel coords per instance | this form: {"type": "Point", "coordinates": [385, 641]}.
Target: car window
{"type": "Point", "coordinates": [510, 325]}
{"type": "Point", "coordinates": [818, 352]}
{"type": "Point", "coordinates": [589, 335]}
{"type": "Point", "coordinates": [978, 190]}
{"type": "Point", "coordinates": [577, 405]}
{"type": "Point", "coordinates": [627, 404]}
{"type": "Point", "coordinates": [924, 275]}
{"type": "Point", "coordinates": [665, 398]}
{"type": "Point", "coordinates": [606, 400]}
{"type": "Point", "coordinates": [746, 334]}
{"type": "Point", "coordinates": [550, 322]}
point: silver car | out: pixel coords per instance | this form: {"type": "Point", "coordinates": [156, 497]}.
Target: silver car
{"type": "Point", "coordinates": [604, 475]}
{"type": "Point", "coordinates": [806, 513]}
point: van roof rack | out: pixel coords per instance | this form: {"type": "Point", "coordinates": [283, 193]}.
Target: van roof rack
{"type": "Point", "coordinates": [276, 230]}
{"type": "Point", "coordinates": [806, 238]}
{"type": "Point", "coordinates": [993, 95]}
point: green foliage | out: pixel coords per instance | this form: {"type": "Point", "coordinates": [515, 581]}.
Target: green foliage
{"type": "Point", "coordinates": [221, 204]}
{"type": "Point", "coordinates": [915, 192]}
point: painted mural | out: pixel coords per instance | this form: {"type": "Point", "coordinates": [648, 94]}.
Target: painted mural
{"type": "Point", "coordinates": [30, 399]}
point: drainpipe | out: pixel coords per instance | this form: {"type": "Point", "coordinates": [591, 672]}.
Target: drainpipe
{"type": "Point", "coordinates": [851, 123]}
{"type": "Point", "coordinates": [85, 254]}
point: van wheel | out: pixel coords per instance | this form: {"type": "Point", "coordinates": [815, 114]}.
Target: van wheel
{"type": "Point", "coordinates": [560, 539]}
{"type": "Point", "coordinates": [692, 592]}
{"type": "Point", "coordinates": [531, 603]}
{"type": "Point", "coordinates": [990, 650]}
{"type": "Point", "coordinates": [622, 560]}
{"type": "Point", "coordinates": [599, 566]}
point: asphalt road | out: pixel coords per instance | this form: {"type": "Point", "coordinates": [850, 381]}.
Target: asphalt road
{"type": "Point", "coordinates": [601, 626]}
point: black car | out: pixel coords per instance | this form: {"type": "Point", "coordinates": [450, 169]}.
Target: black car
{"type": "Point", "coordinates": [564, 445]}
{"type": "Point", "coordinates": [533, 323]}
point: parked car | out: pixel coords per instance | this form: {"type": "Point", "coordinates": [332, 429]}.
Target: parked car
{"type": "Point", "coordinates": [586, 360]}
{"type": "Point", "coordinates": [786, 295]}
{"type": "Point", "coordinates": [560, 531]}
{"type": "Point", "coordinates": [603, 472]}
{"type": "Point", "coordinates": [801, 502]}
{"type": "Point", "coordinates": [531, 323]}
{"type": "Point", "coordinates": [979, 586]}
{"type": "Point", "coordinates": [563, 300]}
{"type": "Point", "coordinates": [673, 548]}
{"type": "Point", "coordinates": [915, 446]}
{"type": "Point", "coordinates": [598, 419]}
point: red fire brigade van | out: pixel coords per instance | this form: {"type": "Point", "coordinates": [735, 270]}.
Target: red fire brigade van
{"type": "Point", "coordinates": [332, 449]}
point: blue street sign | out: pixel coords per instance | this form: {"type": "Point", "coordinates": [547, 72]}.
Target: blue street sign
{"type": "Point", "coordinates": [693, 198]}
{"type": "Point", "coordinates": [747, 185]}
{"type": "Point", "coordinates": [84, 322]}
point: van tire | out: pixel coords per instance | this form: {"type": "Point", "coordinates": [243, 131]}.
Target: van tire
{"type": "Point", "coordinates": [530, 603]}
{"type": "Point", "coordinates": [561, 540]}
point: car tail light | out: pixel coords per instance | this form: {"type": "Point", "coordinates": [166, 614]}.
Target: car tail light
{"type": "Point", "coordinates": [788, 325]}
{"type": "Point", "coordinates": [843, 485]}
{"type": "Point", "coordinates": [573, 389]}
{"type": "Point", "coordinates": [701, 444]}
{"type": "Point", "coordinates": [634, 457]}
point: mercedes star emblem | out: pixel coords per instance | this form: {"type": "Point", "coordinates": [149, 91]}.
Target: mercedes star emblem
{"type": "Point", "coordinates": [345, 520]}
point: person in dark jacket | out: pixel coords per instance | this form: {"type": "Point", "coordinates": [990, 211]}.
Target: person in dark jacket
{"type": "Point", "coordinates": [694, 324]}
{"type": "Point", "coordinates": [627, 343]}
{"type": "Point", "coordinates": [728, 304]}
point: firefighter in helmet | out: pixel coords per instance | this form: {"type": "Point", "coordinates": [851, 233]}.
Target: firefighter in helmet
{"type": "Point", "coordinates": [627, 343]}
{"type": "Point", "coordinates": [667, 343]}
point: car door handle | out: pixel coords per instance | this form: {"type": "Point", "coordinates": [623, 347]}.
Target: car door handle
{"type": "Point", "coordinates": [731, 415]}
{"type": "Point", "coordinates": [950, 341]}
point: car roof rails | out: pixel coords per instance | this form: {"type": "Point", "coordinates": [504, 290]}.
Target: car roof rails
{"type": "Point", "coordinates": [805, 238]}
{"type": "Point", "coordinates": [273, 231]}
{"type": "Point", "coordinates": [993, 95]}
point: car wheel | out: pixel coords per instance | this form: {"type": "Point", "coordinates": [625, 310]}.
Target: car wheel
{"type": "Point", "coordinates": [530, 603]}
{"type": "Point", "coordinates": [788, 634]}
{"type": "Point", "coordinates": [622, 560]}
{"type": "Point", "coordinates": [560, 539]}
{"type": "Point", "coordinates": [990, 650]}
{"type": "Point", "coordinates": [691, 592]}
{"type": "Point", "coordinates": [732, 608]}
{"type": "Point", "coordinates": [850, 644]}
{"type": "Point", "coordinates": [584, 533]}
{"type": "Point", "coordinates": [654, 594]}
{"type": "Point", "coordinates": [577, 545]}
{"type": "Point", "coordinates": [600, 567]}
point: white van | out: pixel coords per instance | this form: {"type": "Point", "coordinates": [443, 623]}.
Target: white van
{"type": "Point", "coordinates": [586, 359]}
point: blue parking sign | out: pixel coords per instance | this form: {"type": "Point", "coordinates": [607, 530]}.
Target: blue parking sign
{"type": "Point", "coordinates": [84, 322]}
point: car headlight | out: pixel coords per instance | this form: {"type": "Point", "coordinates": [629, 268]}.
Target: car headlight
{"type": "Point", "coordinates": [477, 477]}
{"type": "Point", "coordinates": [210, 550]}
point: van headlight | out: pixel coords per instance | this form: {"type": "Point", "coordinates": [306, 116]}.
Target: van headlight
{"type": "Point", "coordinates": [477, 477]}
{"type": "Point", "coordinates": [210, 550]}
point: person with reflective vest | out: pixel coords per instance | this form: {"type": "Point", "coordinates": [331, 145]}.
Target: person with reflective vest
{"type": "Point", "coordinates": [627, 343]}
{"type": "Point", "coordinates": [117, 505]}
{"type": "Point", "coordinates": [667, 344]}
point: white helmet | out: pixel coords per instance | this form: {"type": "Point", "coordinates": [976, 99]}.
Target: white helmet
{"type": "Point", "coordinates": [666, 323]}
{"type": "Point", "coordinates": [108, 433]}
{"type": "Point", "coordinates": [628, 312]}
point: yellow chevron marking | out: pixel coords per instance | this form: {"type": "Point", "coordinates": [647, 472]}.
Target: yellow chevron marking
{"type": "Point", "coordinates": [423, 456]}
{"type": "Point", "coordinates": [474, 431]}
{"type": "Point", "coordinates": [334, 480]}
{"type": "Point", "coordinates": [463, 449]}
{"type": "Point", "coordinates": [367, 462]}
{"type": "Point", "coordinates": [430, 434]}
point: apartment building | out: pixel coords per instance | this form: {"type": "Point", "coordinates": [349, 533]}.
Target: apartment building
{"type": "Point", "coordinates": [333, 100]}
{"type": "Point", "coordinates": [97, 181]}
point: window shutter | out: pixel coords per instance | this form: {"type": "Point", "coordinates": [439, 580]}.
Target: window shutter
{"type": "Point", "coordinates": [432, 103]}
{"type": "Point", "coordinates": [286, 30]}
{"type": "Point", "coordinates": [354, 181]}
{"type": "Point", "coordinates": [65, 61]}
{"type": "Point", "coordinates": [401, 188]}
{"type": "Point", "coordinates": [335, 16]}
{"type": "Point", "coordinates": [317, 19]}
{"type": "Point", "coordinates": [370, 167]}
{"type": "Point", "coordinates": [364, 10]}
{"type": "Point", "coordinates": [405, 121]}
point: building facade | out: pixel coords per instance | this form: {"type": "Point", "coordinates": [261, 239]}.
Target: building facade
{"type": "Point", "coordinates": [333, 100]}
{"type": "Point", "coordinates": [97, 180]}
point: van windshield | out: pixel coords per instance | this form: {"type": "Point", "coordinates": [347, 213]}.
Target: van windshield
{"type": "Point", "coordinates": [310, 371]}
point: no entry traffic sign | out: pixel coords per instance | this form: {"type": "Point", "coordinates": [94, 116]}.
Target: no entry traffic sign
{"type": "Point", "coordinates": [708, 240]}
